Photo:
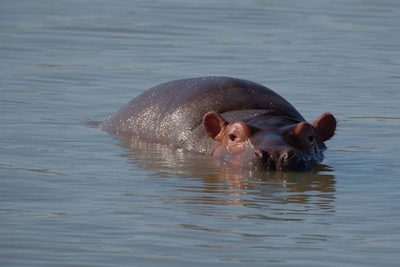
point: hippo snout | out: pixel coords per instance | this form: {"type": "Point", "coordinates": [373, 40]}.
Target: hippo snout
{"type": "Point", "coordinates": [288, 159]}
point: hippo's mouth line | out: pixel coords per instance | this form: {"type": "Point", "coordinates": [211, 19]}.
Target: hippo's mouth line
{"type": "Point", "coordinates": [299, 163]}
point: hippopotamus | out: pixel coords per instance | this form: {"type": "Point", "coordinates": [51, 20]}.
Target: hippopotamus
{"type": "Point", "coordinates": [238, 121]}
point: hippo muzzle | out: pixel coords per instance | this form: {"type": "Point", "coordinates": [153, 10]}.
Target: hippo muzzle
{"type": "Point", "coordinates": [288, 159]}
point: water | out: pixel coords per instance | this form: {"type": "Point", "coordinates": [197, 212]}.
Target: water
{"type": "Point", "coordinates": [72, 195]}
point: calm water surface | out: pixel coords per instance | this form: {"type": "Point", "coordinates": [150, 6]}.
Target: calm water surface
{"type": "Point", "coordinates": [72, 195]}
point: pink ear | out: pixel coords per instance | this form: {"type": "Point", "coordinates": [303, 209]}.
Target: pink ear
{"type": "Point", "coordinates": [214, 124]}
{"type": "Point", "coordinates": [325, 127]}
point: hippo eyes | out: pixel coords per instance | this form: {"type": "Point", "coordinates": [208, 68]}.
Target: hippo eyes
{"type": "Point", "coordinates": [232, 137]}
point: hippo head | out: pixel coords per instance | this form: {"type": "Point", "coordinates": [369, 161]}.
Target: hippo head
{"type": "Point", "coordinates": [270, 140]}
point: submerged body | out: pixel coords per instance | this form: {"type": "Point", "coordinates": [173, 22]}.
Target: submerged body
{"type": "Point", "coordinates": [239, 121]}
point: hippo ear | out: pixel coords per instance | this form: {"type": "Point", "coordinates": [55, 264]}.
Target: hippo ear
{"type": "Point", "coordinates": [325, 127]}
{"type": "Point", "coordinates": [214, 124]}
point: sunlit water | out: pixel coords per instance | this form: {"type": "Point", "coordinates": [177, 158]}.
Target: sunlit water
{"type": "Point", "coordinates": [72, 195]}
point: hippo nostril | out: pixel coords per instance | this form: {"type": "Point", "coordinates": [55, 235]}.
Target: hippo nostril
{"type": "Point", "coordinates": [262, 154]}
{"type": "Point", "coordinates": [259, 153]}
{"type": "Point", "coordinates": [291, 154]}
{"type": "Point", "coordinates": [266, 159]}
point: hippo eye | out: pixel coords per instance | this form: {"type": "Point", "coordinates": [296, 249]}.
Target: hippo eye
{"type": "Point", "coordinates": [232, 137]}
{"type": "Point", "coordinates": [311, 138]}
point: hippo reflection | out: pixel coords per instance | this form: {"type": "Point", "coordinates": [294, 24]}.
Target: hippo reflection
{"type": "Point", "coordinates": [238, 121]}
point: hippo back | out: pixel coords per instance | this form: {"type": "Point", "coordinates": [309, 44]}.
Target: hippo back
{"type": "Point", "coordinates": [170, 112]}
